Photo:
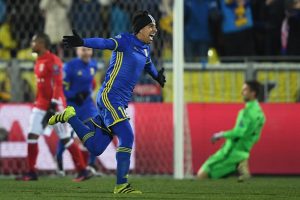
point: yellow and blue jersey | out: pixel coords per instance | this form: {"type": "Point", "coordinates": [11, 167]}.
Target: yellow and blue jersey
{"type": "Point", "coordinates": [129, 59]}
{"type": "Point", "coordinates": [78, 77]}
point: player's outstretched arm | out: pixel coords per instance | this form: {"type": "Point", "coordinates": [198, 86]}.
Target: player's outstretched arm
{"type": "Point", "coordinates": [75, 40]}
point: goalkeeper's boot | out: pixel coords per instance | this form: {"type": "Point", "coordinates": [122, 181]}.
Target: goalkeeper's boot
{"type": "Point", "coordinates": [63, 116]}
{"type": "Point", "coordinates": [243, 170]}
{"type": "Point", "coordinates": [125, 188]}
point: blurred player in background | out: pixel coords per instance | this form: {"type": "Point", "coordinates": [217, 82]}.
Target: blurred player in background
{"type": "Point", "coordinates": [130, 57]}
{"type": "Point", "coordinates": [49, 99]}
{"type": "Point", "coordinates": [79, 84]}
{"type": "Point", "coordinates": [234, 154]}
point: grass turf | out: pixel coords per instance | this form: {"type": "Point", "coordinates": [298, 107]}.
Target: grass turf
{"type": "Point", "coordinates": [153, 188]}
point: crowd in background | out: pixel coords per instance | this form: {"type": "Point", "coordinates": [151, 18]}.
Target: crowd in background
{"type": "Point", "coordinates": [232, 27]}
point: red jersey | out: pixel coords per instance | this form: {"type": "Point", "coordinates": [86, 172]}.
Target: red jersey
{"type": "Point", "coordinates": [48, 72]}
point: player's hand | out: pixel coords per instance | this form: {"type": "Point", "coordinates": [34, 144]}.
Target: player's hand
{"type": "Point", "coordinates": [217, 136]}
{"type": "Point", "coordinates": [161, 79]}
{"type": "Point", "coordinates": [50, 112]}
{"type": "Point", "coordinates": [81, 96]}
{"type": "Point", "coordinates": [74, 40]}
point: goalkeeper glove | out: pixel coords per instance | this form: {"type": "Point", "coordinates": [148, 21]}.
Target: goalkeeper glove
{"type": "Point", "coordinates": [161, 79]}
{"type": "Point", "coordinates": [74, 40]}
{"type": "Point", "coordinates": [50, 112]}
{"type": "Point", "coordinates": [217, 136]}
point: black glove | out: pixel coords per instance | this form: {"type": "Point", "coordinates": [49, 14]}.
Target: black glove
{"type": "Point", "coordinates": [50, 112]}
{"type": "Point", "coordinates": [74, 40]}
{"type": "Point", "coordinates": [161, 79]}
{"type": "Point", "coordinates": [80, 97]}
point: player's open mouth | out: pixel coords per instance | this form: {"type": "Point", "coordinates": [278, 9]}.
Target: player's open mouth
{"type": "Point", "coordinates": [151, 36]}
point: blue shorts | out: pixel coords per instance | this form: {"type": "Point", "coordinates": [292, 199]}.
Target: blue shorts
{"type": "Point", "coordinates": [112, 113]}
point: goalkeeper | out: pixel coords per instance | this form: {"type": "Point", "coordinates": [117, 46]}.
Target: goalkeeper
{"type": "Point", "coordinates": [234, 154]}
{"type": "Point", "coordinates": [130, 57]}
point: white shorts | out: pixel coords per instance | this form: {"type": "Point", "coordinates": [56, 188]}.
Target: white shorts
{"type": "Point", "coordinates": [36, 127]}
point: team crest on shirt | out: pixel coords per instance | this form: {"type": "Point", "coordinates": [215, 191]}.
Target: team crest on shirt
{"type": "Point", "coordinates": [79, 73]}
{"type": "Point", "coordinates": [41, 67]}
{"type": "Point", "coordinates": [92, 70]}
{"type": "Point", "coordinates": [56, 69]}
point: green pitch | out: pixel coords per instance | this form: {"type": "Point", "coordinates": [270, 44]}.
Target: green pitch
{"type": "Point", "coordinates": [153, 188]}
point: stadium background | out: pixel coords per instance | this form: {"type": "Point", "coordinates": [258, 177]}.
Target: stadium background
{"type": "Point", "coordinates": [212, 84]}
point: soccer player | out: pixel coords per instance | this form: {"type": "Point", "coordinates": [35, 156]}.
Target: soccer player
{"type": "Point", "coordinates": [79, 84]}
{"type": "Point", "coordinates": [49, 99]}
{"type": "Point", "coordinates": [130, 57]}
{"type": "Point", "coordinates": [234, 154]}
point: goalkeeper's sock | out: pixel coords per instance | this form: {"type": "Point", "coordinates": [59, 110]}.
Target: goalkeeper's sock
{"type": "Point", "coordinates": [76, 155]}
{"type": "Point", "coordinates": [123, 162]}
{"type": "Point", "coordinates": [95, 140]}
{"type": "Point", "coordinates": [33, 150]}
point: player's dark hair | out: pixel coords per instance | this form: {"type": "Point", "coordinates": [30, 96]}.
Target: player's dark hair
{"type": "Point", "coordinates": [45, 39]}
{"type": "Point", "coordinates": [254, 86]}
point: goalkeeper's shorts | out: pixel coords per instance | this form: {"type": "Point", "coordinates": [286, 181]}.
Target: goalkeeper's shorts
{"type": "Point", "coordinates": [222, 164]}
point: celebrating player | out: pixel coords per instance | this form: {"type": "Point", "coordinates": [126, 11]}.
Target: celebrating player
{"type": "Point", "coordinates": [235, 153]}
{"type": "Point", "coordinates": [79, 83]}
{"type": "Point", "coordinates": [130, 57]}
{"type": "Point", "coordinates": [49, 99]}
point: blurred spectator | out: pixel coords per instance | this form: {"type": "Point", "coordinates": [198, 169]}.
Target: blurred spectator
{"type": "Point", "coordinates": [196, 30]}
{"type": "Point", "coordinates": [292, 27]}
{"type": "Point", "coordinates": [8, 44]}
{"type": "Point", "coordinates": [86, 17]}
{"type": "Point", "coordinates": [237, 28]}
{"type": "Point", "coordinates": [5, 87]}
{"type": "Point", "coordinates": [57, 22]}
{"type": "Point", "coordinates": [166, 28]}
{"type": "Point", "coordinates": [119, 13]}
{"type": "Point", "coordinates": [25, 20]}
{"type": "Point", "coordinates": [2, 11]}
{"type": "Point", "coordinates": [268, 16]}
